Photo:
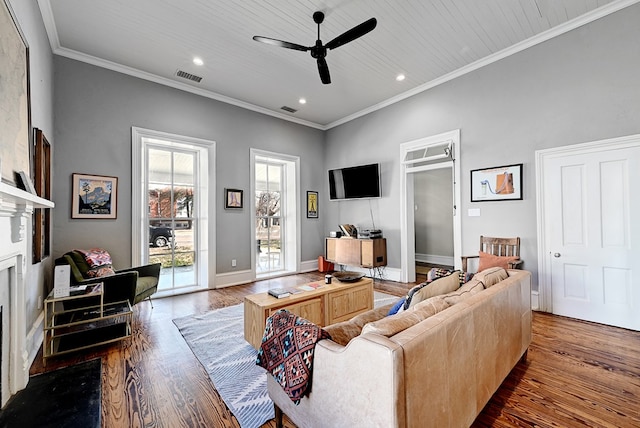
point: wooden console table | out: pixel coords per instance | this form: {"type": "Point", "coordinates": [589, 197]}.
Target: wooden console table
{"type": "Point", "coordinates": [326, 305]}
{"type": "Point", "coordinates": [368, 253]}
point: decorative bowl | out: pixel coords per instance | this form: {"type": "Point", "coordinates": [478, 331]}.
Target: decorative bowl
{"type": "Point", "coordinates": [348, 276]}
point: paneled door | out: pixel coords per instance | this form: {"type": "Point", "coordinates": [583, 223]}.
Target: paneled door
{"type": "Point", "coordinates": [592, 233]}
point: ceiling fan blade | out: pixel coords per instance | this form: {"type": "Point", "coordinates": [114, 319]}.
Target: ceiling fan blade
{"type": "Point", "coordinates": [281, 43]}
{"type": "Point", "coordinates": [323, 68]}
{"type": "Point", "coordinates": [351, 35]}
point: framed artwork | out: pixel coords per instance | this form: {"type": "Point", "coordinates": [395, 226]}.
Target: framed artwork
{"type": "Point", "coordinates": [15, 100]}
{"type": "Point", "coordinates": [94, 196]}
{"type": "Point", "coordinates": [501, 183]}
{"type": "Point", "coordinates": [233, 199]}
{"type": "Point", "coordinates": [312, 204]}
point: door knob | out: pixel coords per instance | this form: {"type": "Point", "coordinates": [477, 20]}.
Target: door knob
{"type": "Point", "coordinates": [556, 255]}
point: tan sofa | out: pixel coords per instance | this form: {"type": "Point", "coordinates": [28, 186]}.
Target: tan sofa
{"type": "Point", "coordinates": [439, 372]}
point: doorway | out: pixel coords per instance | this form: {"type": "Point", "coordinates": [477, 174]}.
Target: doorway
{"type": "Point", "coordinates": [587, 239]}
{"type": "Point", "coordinates": [438, 152]}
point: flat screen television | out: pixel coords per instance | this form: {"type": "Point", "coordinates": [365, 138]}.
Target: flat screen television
{"type": "Point", "coordinates": [356, 182]}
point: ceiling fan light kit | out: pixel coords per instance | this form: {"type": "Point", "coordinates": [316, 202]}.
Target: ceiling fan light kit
{"type": "Point", "coordinates": [319, 50]}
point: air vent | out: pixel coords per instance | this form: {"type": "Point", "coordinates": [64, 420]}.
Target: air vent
{"type": "Point", "coordinates": [289, 109]}
{"type": "Point", "coordinates": [188, 76]}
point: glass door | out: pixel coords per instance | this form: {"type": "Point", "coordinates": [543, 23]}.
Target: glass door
{"type": "Point", "coordinates": [171, 222]}
{"type": "Point", "coordinates": [269, 178]}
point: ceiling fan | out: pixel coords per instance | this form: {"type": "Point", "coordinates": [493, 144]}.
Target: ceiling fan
{"type": "Point", "coordinates": [319, 51]}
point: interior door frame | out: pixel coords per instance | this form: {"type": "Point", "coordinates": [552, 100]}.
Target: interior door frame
{"type": "Point", "coordinates": [407, 219]}
{"type": "Point", "coordinates": [544, 252]}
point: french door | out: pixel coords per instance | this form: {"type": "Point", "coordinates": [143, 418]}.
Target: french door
{"type": "Point", "coordinates": [269, 220]}
{"type": "Point", "coordinates": [171, 221]}
{"type": "Point", "coordinates": [171, 213]}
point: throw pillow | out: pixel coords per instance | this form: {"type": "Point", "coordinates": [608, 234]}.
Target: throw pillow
{"type": "Point", "coordinates": [100, 271]}
{"type": "Point", "coordinates": [395, 308]}
{"type": "Point", "coordinates": [489, 260]}
{"type": "Point", "coordinates": [491, 276]}
{"type": "Point", "coordinates": [396, 323]}
{"type": "Point", "coordinates": [469, 289]}
{"type": "Point", "coordinates": [438, 287]}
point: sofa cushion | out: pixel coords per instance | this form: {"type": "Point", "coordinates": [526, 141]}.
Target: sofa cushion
{"type": "Point", "coordinates": [393, 324]}
{"type": "Point", "coordinates": [489, 260]}
{"type": "Point", "coordinates": [438, 287]}
{"type": "Point", "coordinates": [491, 276]}
{"type": "Point", "coordinates": [469, 289]}
{"type": "Point", "coordinates": [344, 331]}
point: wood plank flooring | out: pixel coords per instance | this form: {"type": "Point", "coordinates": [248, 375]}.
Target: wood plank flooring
{"type": "Point", "coordinates": [577, 373]}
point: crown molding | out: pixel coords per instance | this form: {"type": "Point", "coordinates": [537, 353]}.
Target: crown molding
{"type": "Point", "coordinates": [50, 26]}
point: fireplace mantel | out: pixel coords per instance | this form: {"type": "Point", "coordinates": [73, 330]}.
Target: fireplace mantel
{"type": "Point", "coordinates": [20, 197]}
{"type": "Point", "coordinates": [16, 208]}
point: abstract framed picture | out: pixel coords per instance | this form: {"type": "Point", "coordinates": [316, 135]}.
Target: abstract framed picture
{"type": "Point", "coordinates": [233, 199]}
{"type": "Point", "coordinates": [500, 183]}
{"type": "Point", "coordinates": [94, 196]}
{"type": "Point", "coordinates": [312, 204]}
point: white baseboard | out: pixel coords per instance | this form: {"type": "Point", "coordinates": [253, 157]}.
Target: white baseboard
{"type": "Point", "coordinates": [308, 266]}
{"type": "Point", "coordinates": [435, 259]}
{"type": "Point", "coordinates": [34, 338]}
{"type": "Point", "coordinates": [535, 302]}
{"type": "Point", "coordinates": [228, 279]}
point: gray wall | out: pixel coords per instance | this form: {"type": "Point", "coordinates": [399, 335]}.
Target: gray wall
{"type": "Point", "coordinates": [433, 213]}
{"type": "Point", "coordinates": [95, 110]}
{"type": "Point", "coordinates": [41, 69]}
{"type": "Point", "coordinates": [579, 87]}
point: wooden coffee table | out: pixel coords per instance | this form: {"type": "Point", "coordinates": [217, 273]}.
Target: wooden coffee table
{"type": "Point", "coordinates": [326, 305]}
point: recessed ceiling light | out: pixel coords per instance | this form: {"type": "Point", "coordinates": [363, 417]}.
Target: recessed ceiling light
{"type": "Point", "coordinates": [302, 101]}
{"type": "Point", "coordinates": [400, 77]}
{"type": "Point", "coordinates": [198, 61]}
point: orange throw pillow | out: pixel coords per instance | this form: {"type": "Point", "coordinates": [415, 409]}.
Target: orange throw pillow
{"type": "Point", "coordinates": [489, 260]}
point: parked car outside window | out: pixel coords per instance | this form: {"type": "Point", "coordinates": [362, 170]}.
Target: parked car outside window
{"type": "Point", "coordinates": [160, 236]}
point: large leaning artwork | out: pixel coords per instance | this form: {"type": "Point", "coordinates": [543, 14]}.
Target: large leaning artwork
{"type": "Point", "coordinates": [14, 97]}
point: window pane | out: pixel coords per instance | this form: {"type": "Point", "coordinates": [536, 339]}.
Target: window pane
{"type": "Point", "coordinates": [183, 170]}
{"type": "Point", "coordinates": [183, 197]}
{"type": "Point", "coordinates": [261, 176]}
{"type": "Point", "coordinates": [159, 166]}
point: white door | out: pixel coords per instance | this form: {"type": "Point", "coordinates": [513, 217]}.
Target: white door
{"type": "Point", "coordinates": [592, 235]}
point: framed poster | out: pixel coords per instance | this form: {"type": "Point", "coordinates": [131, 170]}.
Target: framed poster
{"type": "Point", "coordinates": [233, 199]}
{"type": "Point", "coordinates": [501, 183]}
{"type": "Point", "coordinates": [94, 196]}
{"type": "Point", "coordinates": [312, 204]}
{"type": "Point", "coordinates": [15, 120]}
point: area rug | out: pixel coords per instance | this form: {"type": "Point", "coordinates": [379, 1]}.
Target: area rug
{"type": "Point", "coordinates": [63, 398]}
{"type": "Point", "coordinates": [217, 340]}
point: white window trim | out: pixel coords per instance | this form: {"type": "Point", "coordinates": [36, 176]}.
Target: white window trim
{"type": "Point", "coordinates": [206, 186]}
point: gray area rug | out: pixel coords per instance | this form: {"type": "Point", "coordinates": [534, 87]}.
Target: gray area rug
{"type": "Point", "coordinates": [217, 340]}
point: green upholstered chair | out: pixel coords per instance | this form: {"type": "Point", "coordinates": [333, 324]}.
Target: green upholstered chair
{"type": "Point", "coordinates": [134, 284]}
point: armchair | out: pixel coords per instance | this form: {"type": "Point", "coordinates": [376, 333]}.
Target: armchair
{"type": "Point", "coordinates": [134, 284]}
{"type": "Point", "coordinates": [502, 247]}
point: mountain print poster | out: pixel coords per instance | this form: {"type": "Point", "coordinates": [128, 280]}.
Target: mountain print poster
{"type": "Point", "coordinates": [94, 196]}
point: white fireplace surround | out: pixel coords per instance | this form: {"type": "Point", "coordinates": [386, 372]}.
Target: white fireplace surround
{"type": "Point", "coordinates": [16, 207]}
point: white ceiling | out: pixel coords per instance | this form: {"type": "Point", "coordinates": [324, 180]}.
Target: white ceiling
{"type": "Point", "coordinates": [430, 41]}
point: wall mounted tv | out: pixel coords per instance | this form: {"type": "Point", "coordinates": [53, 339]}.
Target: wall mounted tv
{"type": "Point", "coordinates": [356, 182]}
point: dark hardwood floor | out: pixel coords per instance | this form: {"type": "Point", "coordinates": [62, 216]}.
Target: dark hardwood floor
{"type": "Point", "coordinates": [577, 373]}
